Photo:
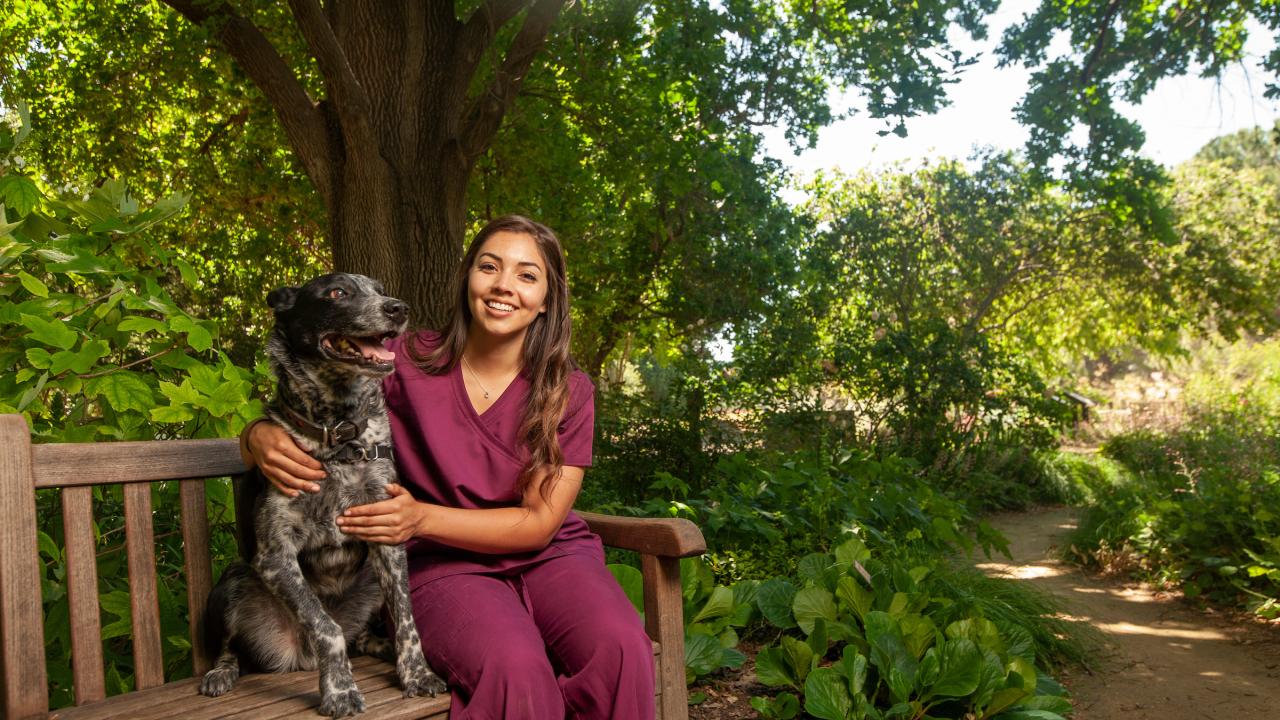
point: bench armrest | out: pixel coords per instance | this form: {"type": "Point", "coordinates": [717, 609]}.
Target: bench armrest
{"type": "Point", "coordinates": [667, 537]}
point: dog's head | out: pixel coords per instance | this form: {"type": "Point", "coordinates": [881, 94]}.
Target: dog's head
{"type": "Point", "coordinates": [339, 320]}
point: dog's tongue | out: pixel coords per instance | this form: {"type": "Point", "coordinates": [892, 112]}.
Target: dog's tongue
{"type": "Point", "coordinates": [373, 349]}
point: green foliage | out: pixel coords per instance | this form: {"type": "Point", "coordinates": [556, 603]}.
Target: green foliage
{"type": "Point", "coordinates": [906, 645]}
{"type": "Point", "coordinates": [1194, 507]}
{"type": "Point", "coordinates": [95, 348]}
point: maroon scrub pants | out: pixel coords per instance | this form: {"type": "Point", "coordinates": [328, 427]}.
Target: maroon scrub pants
{"type": "Point", "coordinates": [554, 640]}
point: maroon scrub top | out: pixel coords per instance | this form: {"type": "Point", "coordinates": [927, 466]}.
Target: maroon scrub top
{"type": "Point", "coordinates": [448, 454]}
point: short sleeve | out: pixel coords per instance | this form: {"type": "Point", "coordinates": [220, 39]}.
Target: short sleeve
{"type": "Point", "coordinates": [577, 430]}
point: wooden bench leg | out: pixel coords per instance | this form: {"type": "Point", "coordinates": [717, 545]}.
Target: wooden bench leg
{"type": "Point", "coordinates": [664, 621]}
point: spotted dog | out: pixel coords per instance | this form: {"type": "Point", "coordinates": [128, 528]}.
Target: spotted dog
{"type": "Point", "coordinates": [310, 592]}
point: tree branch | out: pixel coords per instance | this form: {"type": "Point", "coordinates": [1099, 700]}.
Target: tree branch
{"type": "Point", "coordinates": [350, 100]}
{"type": "Point", "coordinates": [1086, 73]}
{"type": "Point", "coordinates": [484, 116]}
{"type": "Point", "coordinates": [302, 121]}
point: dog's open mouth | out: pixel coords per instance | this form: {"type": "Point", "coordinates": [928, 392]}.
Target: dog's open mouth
{"type": "Point", "coordinates": [368, 351]}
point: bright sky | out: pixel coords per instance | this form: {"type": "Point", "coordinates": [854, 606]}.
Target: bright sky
{"type": "Point", "coordinates": [1179, 116]}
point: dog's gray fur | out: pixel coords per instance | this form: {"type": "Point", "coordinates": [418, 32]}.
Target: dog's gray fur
{"type": "Point", "coordinates": [311, 592]}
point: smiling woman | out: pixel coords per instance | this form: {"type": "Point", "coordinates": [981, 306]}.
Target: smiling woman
{"type": "Point", "coordinates": [492, 424]}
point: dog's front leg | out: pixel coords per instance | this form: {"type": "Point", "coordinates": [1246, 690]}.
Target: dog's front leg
{"type": "Point", "coordinates": [416, 677]}
{"type": "Point", "coordinates": [277, 564]}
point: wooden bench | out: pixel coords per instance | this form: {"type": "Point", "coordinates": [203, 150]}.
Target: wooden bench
{"type": "Point", "coordinates": [77, 468]}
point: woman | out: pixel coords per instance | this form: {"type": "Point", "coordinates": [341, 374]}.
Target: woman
{"type": "Point", "coordinates": [492, 426]}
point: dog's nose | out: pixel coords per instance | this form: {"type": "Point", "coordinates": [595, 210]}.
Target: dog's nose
{"type": "Point", "coordinates": [395, 310]}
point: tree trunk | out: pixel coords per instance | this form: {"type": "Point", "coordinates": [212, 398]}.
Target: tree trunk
{"type": "Point", "coordinates": [391, 146]}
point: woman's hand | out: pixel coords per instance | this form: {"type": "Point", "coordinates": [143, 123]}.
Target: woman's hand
{"type": "Point", "coordinates": [389, 522]}
{"type": "Point", "coordinates": [286, 465]}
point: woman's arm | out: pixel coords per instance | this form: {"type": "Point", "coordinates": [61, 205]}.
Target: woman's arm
{"type": "Point", "coordinates": [530, 526]}
{"type": "Point", "coordinates": [266, 446]}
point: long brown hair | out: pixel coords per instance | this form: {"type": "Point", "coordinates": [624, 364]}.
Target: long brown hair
{"type": "Point", "coordinates": [546, 348]}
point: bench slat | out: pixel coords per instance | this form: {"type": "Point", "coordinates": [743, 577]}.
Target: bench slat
{"type": "Point", "coordinates": [262, 696]}
{"type": "Point", "coordinates": [22, 673]}
{"type": "Point", "coordinates": [144, 602]}
{"type": "Point", "coordinates": [82, 594]}
{"type": "Point", "coordinates": [182, 699]}
{"type": "Point", "coordinates": [195, 543]}
{"type": "Point", "coordinates": [66, 464]}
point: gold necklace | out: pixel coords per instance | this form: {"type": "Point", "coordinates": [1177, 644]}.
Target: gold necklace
{"type": "Point", "coordinates": [475, 377]}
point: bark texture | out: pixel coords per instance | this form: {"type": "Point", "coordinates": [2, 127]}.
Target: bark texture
{"type": "Point", "coordinates": [413, 96]}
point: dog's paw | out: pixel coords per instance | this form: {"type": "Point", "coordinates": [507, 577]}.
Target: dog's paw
{"type": "Point", "coordinates": [342, 703]}
{"type": "Point", "coordinates": [422, 682]}
{"type": "Point", "coordinates": [218, 681]}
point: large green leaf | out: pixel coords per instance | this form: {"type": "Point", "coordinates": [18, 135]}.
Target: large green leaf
{"type": "Point", "coordinates": [961, 669]}
{"type": "Point", "coordinates": [50, 332]}
{"type": "Point", "coordinates": [812, 603]}
{"type": "Point", "coordinates": [19, 193]}
{"type": "Point", "coordinates": [851, 551]}
{"type": "Point", "coordinates": [718, 605]}
{"type": "Point", "coordinates": [124, 390]}
{"type": "Point", "coordinates": [826, 695]}
{"type": "Point", "coordinates": [853, 596]}
{"type": "Point", "coordinates": [81, 360]}
{"type": "Point", "coordinates": [799, 656]}
{"type": "Point", "coordinates": [702, 654]}
{"type": "Point", "coordinates": [774, 598]}
{"type": "Point", "coordinates": [772, 668]}
{"type": "Point", "coordinates": [889, 653]}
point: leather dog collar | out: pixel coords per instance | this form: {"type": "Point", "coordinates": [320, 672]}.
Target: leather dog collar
{"type": "Point", "coordinates": [359, 453]}
{"type": "Point", "coordinates": [343, 431]}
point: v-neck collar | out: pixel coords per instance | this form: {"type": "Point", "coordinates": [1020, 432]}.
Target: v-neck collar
{"type": "Point", "coordinates": [460, 385]}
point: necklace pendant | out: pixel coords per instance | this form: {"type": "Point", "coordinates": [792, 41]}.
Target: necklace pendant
{"type": "Point", "coordinates": [486, 396]}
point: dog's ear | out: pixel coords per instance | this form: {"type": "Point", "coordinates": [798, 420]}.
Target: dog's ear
{"type": "Point", "coordinates": [282, 299]}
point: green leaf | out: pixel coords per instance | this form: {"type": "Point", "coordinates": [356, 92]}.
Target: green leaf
{"type": "Point", "coordinates": [1048, 703]}
{"type": "Point", "coordinates": [719, 605]}
{"type": "Point", "coordinates": [799, 656]}
{"type": "Point", "coordinates": [48, 546]}
{"type": "Point", "coordinates": [889, 653]}
{"type": "Point", "coordinates": [853, 668]}
{"type": "Point", "coordinates": [629, 578]}
{"type": "Point", "coordinates": [855, 597]}
{"type": "Point", "coordinates": [826, 695]}
{"type": "Point", "coordinates": [961, 669]}
{"type": "Point", "coordinates": [39, 357]}
{"type": "Point", "coordinates": [125, 390]}
{"type": "Point", "coordinates": [33, 284]}
{"type": "Point", "coordinates": [918, 631]}
{"type": "Point", "coordinates": [981, 631]}
{"type": "Point", "coordinates": [811, 603]}
{"type": "Point", "coordinates": [183, 394]}
{"type": "Point", "coordinates": [784, 707]}
{"type": "Point", "coordinates": [50, 332]}
{"type": "Point", "coordinates": [189, 277]}
{"type": "Point", "coordinates": [30, 393]}
{"type": "Point", "coordinates": [772, 668]}
{"type": "Point", "coordinates": [19, 193]}
{"type": "Point", "coordinates": [171, 414]}
{"type": "Point", "coordinates": [141, 323]}
{"type": "Point", "coordinates": [81, 361]}
{"type": "Point", "coordinates": [226, 398]}
{"type": "Point", "coordinates": [851, 551]}
{"type": "Point", "coordinates": [774, 597]}
{"type": "Point", "coordinates": [702, 654]}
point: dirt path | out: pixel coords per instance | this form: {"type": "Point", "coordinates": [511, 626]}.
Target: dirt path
{"type": "Point", "coordinates": [1164, 660]}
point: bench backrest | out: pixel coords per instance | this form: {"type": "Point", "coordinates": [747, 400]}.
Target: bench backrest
{"type": "Point", "coordinates": [75, 468]}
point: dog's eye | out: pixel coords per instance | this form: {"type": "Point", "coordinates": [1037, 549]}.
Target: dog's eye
{"type": "Point", "coordinates": [337, 293]}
